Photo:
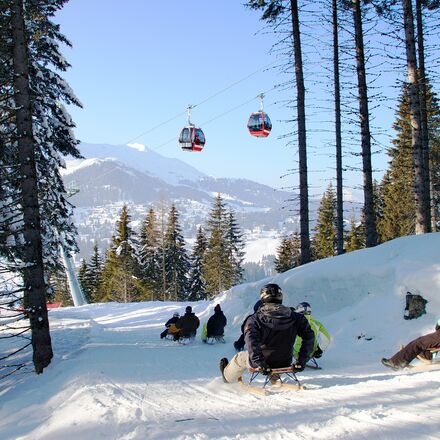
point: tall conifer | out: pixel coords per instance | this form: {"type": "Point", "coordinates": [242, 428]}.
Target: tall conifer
{"type": "Point", "coordinates": [197, 284]}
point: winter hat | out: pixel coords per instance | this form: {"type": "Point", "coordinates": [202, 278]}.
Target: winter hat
{"type": "Point", "coordinates": [188, 309]}
{"type": "Point", "coordinates": [217, 308]}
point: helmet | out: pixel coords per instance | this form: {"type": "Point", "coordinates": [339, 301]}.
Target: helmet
{"type": "Point", "coordinates": [304, 308]}
{"type": "Point", "coordinates": [176, 315]}
{"type": "Point", "coordinates": [271, 293]}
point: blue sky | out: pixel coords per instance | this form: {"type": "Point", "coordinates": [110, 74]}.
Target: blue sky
{"type": "Point", "coordinates": [139, 63]}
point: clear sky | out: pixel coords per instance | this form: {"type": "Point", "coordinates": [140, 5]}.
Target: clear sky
{"type": "Point", "coordinates": [137, 64]}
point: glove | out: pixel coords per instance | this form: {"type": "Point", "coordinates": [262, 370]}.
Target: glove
{"type": "Point", "coordinates": [298, 366]}
{"type": "Point", "coordinates": [264, 369]}
{"type": "Point", "coordinates": [318, 353]}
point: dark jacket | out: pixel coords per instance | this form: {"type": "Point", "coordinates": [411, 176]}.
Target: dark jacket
{"type": "Point", "coordinates": [188, 324]}
{"type": "Point", "coordinates": [216, 324]}
{"type": "Point", "coordinates": [270, 334]}
{"type": "Point", "coordinates": [172, 320]}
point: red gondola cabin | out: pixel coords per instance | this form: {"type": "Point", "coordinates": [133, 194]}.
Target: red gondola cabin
{"type": "Point", "coordinates": [192, 138]}
{"type": "Point", "coordinates": [259, 124]}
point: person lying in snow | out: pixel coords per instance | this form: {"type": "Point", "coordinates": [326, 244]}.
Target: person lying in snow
{"type": "Point", "coordinates": [318, 329]}
{"type": "Point", "coordinates": [170, 326]}
{"type": "Point", "coordinates": [187, 324]}
{"type": "Point", "coordinates": [269, 335]}
{"type": "Point", "coordinates": [215, 327]}
{"type": "Point", "coordinates": [417, 347]}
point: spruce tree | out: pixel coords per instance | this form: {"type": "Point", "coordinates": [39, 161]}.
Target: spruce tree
{"type": "Point", "coordinates": [149, 254]}
{"type": "Point", "coordinates": [288, 253]}
{"type": "Point", "coordinates": [399, 205]}
{"type": "Point", "coordinates": [234, 245]}
{"type": "Point", "coordinates": [176, 258]}
{"type": "Point", "coordinates": [217, 269]}
{"type": "Point", "coordinates": [324, 241]}
{"type": "Point", "coordinates": [94, 275]}
{"type": "Point", "coordinates": [197, 284]}
{"type": "Point", "coordinates": [121, 280]}
{"type": "Point", "coordinates": [82, 278]}
{"type": "Point", "coordinates": [354, 239]}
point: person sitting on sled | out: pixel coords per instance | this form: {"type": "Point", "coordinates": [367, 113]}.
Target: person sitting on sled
{"type": "Point", "coordinates": [269, 335]}
{"type": "Point", "coordinates": [170, 326]}
{"type": "Point", "coordinates": [239, 343]}
{"type": "Point", "coordinates": [417, 347]}
{"type": "Point", "coordinates": [187, 324]}
{"type": "Point", "coordinates": [215, 328]}
{"type": "Point", "coordinates": [318, 329]}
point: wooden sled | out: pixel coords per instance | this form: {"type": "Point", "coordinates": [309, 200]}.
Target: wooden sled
{"type": "Point", "coordinates": [278, 377]}
{"type": "Point", "coordinates": [435, 352]}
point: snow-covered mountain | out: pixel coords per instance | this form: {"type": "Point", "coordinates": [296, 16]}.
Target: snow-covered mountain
{"type": "Point", "coordinates": [113, 378]}
{"type": "Point", "coordinates": [110, 176]}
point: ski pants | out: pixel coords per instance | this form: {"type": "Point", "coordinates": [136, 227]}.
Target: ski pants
{"type": "Point", "coordinates": [236, 367]}
{"type": "Point", "coordinates": [419, 346]}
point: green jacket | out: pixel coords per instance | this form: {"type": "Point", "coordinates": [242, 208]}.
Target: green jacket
{"type": "Point", "coordinates": [318, 329]}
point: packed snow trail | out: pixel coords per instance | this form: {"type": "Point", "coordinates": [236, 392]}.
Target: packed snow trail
{"type": "Point", "coordinates": [120, 381]}
{"type": "Point", "coordinates": [113, 378]}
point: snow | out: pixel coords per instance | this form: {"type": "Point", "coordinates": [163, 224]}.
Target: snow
{"type": "Point", "coordinates": [113, 378]}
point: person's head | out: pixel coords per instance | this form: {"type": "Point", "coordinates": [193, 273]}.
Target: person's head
{"type": "Point", "coordinates": [176, 315]}
{"type": "Point", "coordinates": [188, 309]}
{"type": "Point", "coordinates": [217, 308]}
{"type": "Point", "coordinates": [271, 293]}
{"type": "Point", "coordinates": [304, 308]}
{"type": "Point", "coordinates": [437, 325]}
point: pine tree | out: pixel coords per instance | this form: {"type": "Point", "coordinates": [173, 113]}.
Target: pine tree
{"type": "Point", "coordinates": [288, 253]}
{"type": "Point", "coordinates": [354, 238]}
{"type": "Point", "coordinates": [36, 130]}
{"type": "Point", "coordinates": [149, 254]}
{"type": "Point", "coordinates": [121, 273]}
{"type": "Point", "coordinates": [176, 258]}
{"type": "Point", "coordinates": [324, 241]}
{"type": "Point", "coordinates": [217, 269]}
{"type": "Point", "coordinates": [83, 279]}
{"type": "Point", "coordinates": [234, 245]}
{"type": "Point", "coordinates": [94, 275]}
{"type": "Point", "coordinates": [399, 210]}
{"type": "Point", "coordinates": [197, 284]}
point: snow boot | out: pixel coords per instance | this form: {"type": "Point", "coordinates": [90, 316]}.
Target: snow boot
{"type": "Point", "coordinates": [392, 365]}
{"type": "Point", "coordinates": [223, 363]}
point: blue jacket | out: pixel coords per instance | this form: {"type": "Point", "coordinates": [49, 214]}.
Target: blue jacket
{"type": "Point", "coordinates": [270, 335]}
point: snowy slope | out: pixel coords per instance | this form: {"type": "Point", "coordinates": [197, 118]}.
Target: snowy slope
{"type": "Point", "coordinates": [113, 378]}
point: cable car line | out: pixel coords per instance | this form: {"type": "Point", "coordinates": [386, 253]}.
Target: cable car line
{"type": "Point", "coordinates": [202, 102]}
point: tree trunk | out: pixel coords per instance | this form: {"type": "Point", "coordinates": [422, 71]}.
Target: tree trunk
{"type": "Point", "coordinates": [302, 146]}
{"type": "Point", "coordinates": [370, 221]}
{"type": "Point", "coordinates": [33, 273]}
{"type": "Point", "coordinates": [422, 215]}
{"type": "Point", "coordinates": [429, 206]}
{"type": "Point", "coordinates": [339, 194]}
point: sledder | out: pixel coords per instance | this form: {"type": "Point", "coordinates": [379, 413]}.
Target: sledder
{"type": "Point", "coordinates": [187, 326]}
{"type": "Point", "coordinates": [171, 329]}
{"type": "Point", "coordinates": [270, 334]}
{"type": "Point", "coordinates": [318, 329]}
{"type": "Point", "coordinates": [214, 330]}
{"type": "Point", "coordinates": [426, 348]}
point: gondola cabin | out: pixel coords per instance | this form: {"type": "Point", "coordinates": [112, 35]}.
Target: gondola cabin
{"type": "Point", "coordinates": [192, 138]}
{"type": "Point", "coordinates": [259, 124]}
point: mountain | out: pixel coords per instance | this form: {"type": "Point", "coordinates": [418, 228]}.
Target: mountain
{"type": "Point", "coordinates": [110, 176]}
